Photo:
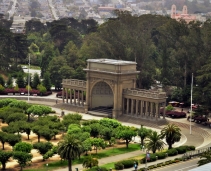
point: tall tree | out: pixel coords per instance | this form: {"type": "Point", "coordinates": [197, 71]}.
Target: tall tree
{"type": "Point", "coordinates": [57, 72]}
{"type": "Point", "coordinates": [143, 133]}
{"type": "Point", "coordinates": [171, 133]}
{"type": "Point", "coordinates": [69, 149]}
{"type": "Point", "coordinates": [47, 81]}
{"type": "Point", "coordinates": [47, 56]}
{"type": "Point", "coordinates": [36, 81]}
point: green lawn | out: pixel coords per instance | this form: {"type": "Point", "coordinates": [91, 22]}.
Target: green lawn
{"type": "Point", "coordinates": [99, 155]}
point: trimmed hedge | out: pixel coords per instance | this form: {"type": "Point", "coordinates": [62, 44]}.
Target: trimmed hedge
{"type": "Point", "coordinates": [182, 149]}
{"type": "Point", "coordinates": [172, 152]}
{"type": "Point", "coordinates": [118, 166]}
{"type": "Point", "coordinates": [96, 168]}
{"type": "Point", "coordinates": [160, 155]}
{"type": "Point", "coordinates": [125, 164]}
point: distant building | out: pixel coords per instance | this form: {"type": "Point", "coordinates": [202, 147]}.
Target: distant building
{"type": "Point", "coordinates": [182, 16]}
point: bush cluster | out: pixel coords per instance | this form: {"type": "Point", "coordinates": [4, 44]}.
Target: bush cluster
{"type": "Point", "coordinates": [176, 160]}
{"type": "Point", "coordinates": [170, 152]}
{"type": "Point", "coordinates": [125, 164]}
{"type": "Point", "coordinates": [24, 91]}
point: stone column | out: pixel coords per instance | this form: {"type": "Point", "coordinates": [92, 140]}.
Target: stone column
{"type": "Point", "coordinates": [132, 106]}
{"type": "Point", "coordinates": [115, 109]}
{"type": "Point", "coordinates": [156, 111]}
{"type": "Point", "coordinates": [71, 96]}
{"type": "Point", "coordinates": [127, 112]}
{"type": "Point", "coordinates": [74, 97]}
{"type": "Point", "coordinates": [82, 98]}
{"type": "Point", "coordinates": [164, 110]}
{"type": "Point", "coordinates": [141, 108]}
{"type": "Point", "coordinates": [146, 109]}
{"type": "Point", "coordinates": [78, 97]}
{"type": "Point", "coordinates": [151, 109]}
{"type": "Point", "coordinates": [66, 95]}
{"type": "Point", "coordinates": [63, 94]}
{"type": "Point", "coordinates": [123, 105]}
{"type": "Point", "coordinates": [137, 107]}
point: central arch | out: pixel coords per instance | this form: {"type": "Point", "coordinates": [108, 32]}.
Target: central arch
{"type": "Point", "coordinates": [102, 96]}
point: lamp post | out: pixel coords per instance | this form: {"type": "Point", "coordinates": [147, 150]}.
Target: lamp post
{"type": "Point", "coordinates": [28, 78]}
{"type": "Point", "coordinates": [191, 99]}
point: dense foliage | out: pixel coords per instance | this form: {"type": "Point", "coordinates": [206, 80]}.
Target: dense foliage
{"type": "Point", "coordinates": [164, 49]}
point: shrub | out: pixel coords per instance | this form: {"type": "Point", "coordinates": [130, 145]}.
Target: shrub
{"type": "Point", "coordinates": [181, 149]}
{"type": "Point", "coordinates": [172, 152]}
{"type": "Point", "coordinates": [161, 155]}
{"type": "Point", "coordinates": [128, 163]}
{"type": "Point", "coordinates": [169, 107]}
{"type": "Point", "coordinates": [159, 164]}
{"type": "Point", "coordinates": [151, 167]}
{"type": "Point", "coordinates": [191, 147]}
{"type": "Point", "coordinates": [96, 168]}
{"type": "Point", "coordinates": [142, 169]}
{"type": "Point", "coordinates": [167, 162]}
{"type": "Point", "coordinates": [1, 88]}
{"type": "Point", "coordinates": [118, 166]}
{"type": "Point", "coordinates": [180, 159]}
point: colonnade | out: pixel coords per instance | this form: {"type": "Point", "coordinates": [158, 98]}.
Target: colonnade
{"type": "Point", "coordinates": [73, 96]}
{"type": "Point", "coordinates": [142, 108]}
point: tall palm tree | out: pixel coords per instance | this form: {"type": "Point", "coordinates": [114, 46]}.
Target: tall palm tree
{"type": "Point", "coordinates": [155, 142]}
{"type": "Point", "coordinates": [172, 134]}
{"type": "Point", "coordinates": [69, 148]}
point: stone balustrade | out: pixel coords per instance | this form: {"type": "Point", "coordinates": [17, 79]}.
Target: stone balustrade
{"type": "Point", "coordinates": [74, 82]}
{"type": "Point", "coordinates": [145, 93]}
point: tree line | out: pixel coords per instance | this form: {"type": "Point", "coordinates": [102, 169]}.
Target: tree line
{"type": "Point", "coordinates": [164, 49]}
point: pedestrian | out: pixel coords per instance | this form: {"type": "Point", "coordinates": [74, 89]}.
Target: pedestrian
{"type": "Point", "coordinates": [56, 101]}
{"type": "Point", "coordinates": [135, 166]}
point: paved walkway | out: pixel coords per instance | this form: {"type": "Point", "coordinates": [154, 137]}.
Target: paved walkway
{"type": "Point", "coordinates": [200, 137]}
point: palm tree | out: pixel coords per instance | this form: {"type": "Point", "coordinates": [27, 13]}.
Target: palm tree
{"type": "Point", "coordinates": [69, 148]}
{"type": "Point", "coordinates": [205, 158]}
{"type": "Point", "coordinates": [172, 134]}
{"type": "Point", "coordinates": [143, 133]}
{"type": "Point", "coordinates": [155, 142]}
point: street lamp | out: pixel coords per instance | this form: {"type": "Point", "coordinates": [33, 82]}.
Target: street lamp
{"type": "Point", "coordinates": [191, 99]}
{"type": "Point", "coordinates": [28, 78]}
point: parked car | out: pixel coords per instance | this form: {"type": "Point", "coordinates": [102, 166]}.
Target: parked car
{"type": "Point", "coordinates": [175, 114]}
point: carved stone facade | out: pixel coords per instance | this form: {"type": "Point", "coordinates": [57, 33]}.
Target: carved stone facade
{"type": "Point", "coordinates": [112, 83]}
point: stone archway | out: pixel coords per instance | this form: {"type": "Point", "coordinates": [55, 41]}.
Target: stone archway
{"type": "Point", "coordinates": [102, 95]}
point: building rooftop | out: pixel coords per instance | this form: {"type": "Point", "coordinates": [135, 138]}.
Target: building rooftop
{"type": "Point", "coordinates": [112, 61]}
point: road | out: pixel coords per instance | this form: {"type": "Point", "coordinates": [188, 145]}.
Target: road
{"type": "Point", "coordinates": [181, 166]}
{"type": "Point", "coordinates": [53, 10]}
{"type": "Point", "coordinates": [32, 71]}
{"type": "Point", "coordinates": [12, 11]}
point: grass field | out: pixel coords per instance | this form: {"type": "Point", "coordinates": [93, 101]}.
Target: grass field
{"type": "Point", "coordinates": [101, 154]}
